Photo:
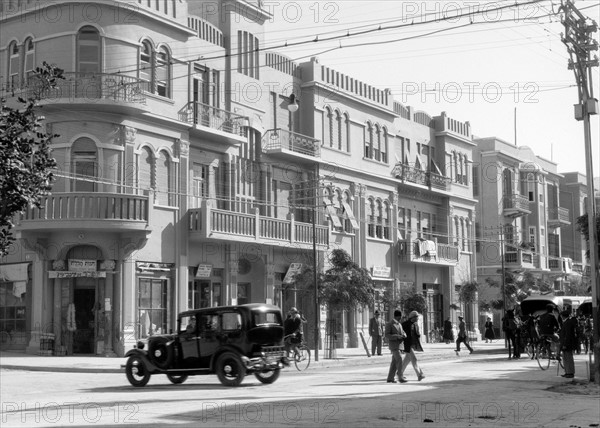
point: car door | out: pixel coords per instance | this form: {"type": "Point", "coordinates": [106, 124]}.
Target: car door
{"type": "Point", "coordinates": [209, 336]}
{"type": "Point", "coordinates": [189, 341]}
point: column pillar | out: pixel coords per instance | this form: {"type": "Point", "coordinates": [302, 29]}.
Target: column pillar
{"type": "Point", "coordinates": [38, 281]}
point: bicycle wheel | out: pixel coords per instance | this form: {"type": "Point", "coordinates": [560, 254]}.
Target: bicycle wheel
{"type": "Point", "coordinates": [302, 358]}
{"type": "Point", "coordinates": [542, 355]}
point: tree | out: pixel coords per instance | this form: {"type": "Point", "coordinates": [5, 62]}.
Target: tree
{"type": "Point", "coordinates": [25, 156]}
{"type": "Point", "coordinates": [517, 286]}
{"type": "Point", "coordinates": [346, 285]}
{"type": "Point", "coordinates": [583, 227]}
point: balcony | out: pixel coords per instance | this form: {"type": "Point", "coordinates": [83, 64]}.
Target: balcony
{"type": "Point", "coordinates": [100, 89]}
{"type": "Point", "coordinates": [215, 123]}
{"type": "Point", "coordinates": [89, 211]}
{"type": "Point", "coordinates": [558, 217]}
{"type": "Point", "coordinates": [515, 206]}
{"type": "Point", "coordinates": [212, 223]}
{"type": "Point", "coordinates": [290, 145]}
{"type": "Point", "coordinates": [519, 259]}
{"type": "Point", "coordinates": [411, 251]}
{"type": "Point", "coordinates": [415, 175]}
{"type": "Point", "coordinates": [561, 264]}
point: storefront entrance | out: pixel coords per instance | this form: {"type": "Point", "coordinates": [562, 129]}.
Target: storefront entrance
{"type": "Point", "coordinates": [84, 298]}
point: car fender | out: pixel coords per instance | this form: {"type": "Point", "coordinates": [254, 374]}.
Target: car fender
{"type": "Point", "coordinates": [144, 356]}
{"type": "Point", "coordinates": [221, 350]}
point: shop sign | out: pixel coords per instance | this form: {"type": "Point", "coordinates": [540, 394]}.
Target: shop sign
{"type": "Point", "coordinates": [68, 274]}
{"type": "Point", "coordinates": [381, 271]}
{"type": "Point", "coordinates": [291, 273]}
{"type": "Point", "coordinates": [204, 271]}
{"type": "Point", "coordinates": [78, 265]}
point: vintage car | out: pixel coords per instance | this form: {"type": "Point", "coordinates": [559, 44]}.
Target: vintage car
{"type": "Point", "coordinates": [229, 341]}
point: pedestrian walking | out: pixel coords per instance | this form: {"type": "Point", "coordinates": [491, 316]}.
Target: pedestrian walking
{"type": "Point", "coordinates": [448, 334]}
{"type": "Point", "coordinates": [394, 333]}
{"type": "Point", "coordinates": [376, 331]}
{"type": "Point", "coordinates": [489, 330]}
{"type": "Point", "coordinates": [568, 343]}
{"type": "Point", "coordinates": [463, 337]}
{"type": "Point", "coordinates": [412, 344]}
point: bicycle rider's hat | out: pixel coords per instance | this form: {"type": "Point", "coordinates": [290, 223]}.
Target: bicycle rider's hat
{"type": "Point", "coordinates": [294, 310]}
{"type": "Point", "coordinates": [413, 314]}
{"type": "Point", "coordinates": [376, 312]}
{"type": "Point", "coordinates": [460, 317]}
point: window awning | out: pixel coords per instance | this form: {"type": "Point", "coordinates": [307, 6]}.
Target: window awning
{"type": "Point", "coordinates": [332, 213]}
{"type": "Point", "coordinates": [350, 215]}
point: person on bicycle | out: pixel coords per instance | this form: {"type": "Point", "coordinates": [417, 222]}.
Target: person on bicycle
{"type": "Point", "coordinates": [548, 324]}
{"type": "Point", "coordinates": [292, 330]}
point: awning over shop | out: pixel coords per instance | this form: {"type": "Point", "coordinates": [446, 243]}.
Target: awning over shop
{"type": "Point", "coordinates": [350, 215]}
{"type": "Point", "coordinates": [17, 274]}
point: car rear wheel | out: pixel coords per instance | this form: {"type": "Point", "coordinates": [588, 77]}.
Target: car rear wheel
{"type": "Point", "coordinates": [177, 378]}
{"type": "Point", "coordinates": [230, 370]}
{"type": "Point", "coordinates": [161, 354]}
{"type": "Point", "coordinates": [136, 371]}
{"type": "Point", "coordinates": [268, 376]}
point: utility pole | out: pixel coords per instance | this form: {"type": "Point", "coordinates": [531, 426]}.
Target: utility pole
{"type": "Point", "coordinates": [580, 44]}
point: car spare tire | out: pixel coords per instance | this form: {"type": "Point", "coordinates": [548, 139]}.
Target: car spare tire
{"type": "Point", "coordinates": [160, 353]}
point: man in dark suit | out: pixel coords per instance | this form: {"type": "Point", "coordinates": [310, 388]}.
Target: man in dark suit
{"type": "Point", "coordinates": [395, 335]}
{"type": "Point", "coordinates": [376, 331]}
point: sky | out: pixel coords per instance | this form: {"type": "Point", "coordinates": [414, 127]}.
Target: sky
{"type": "Point", "coordinates": [505, 71]}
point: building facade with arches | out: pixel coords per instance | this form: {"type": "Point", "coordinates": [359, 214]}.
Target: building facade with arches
{"type": "Point", "coordinates": [189, 176]}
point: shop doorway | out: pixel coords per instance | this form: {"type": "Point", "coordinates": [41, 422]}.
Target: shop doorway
{"type": "Point", "coordinates": [85, 319]}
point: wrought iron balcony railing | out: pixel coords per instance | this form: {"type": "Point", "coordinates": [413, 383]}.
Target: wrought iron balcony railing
{"type": "Point", "coordinates": [204, 115]}
{"type": "Point", "coordinates": [281, 140]}
{"type": "Point", "coordinates": [84, 86]}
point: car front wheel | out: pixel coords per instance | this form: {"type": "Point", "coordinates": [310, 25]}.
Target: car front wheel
{"type": "Point", "coordinates": [136, 371]}
{"type": "Point", "coordinates": [230, 370]}
{"type": "Point", "coordinates": [268, 376]}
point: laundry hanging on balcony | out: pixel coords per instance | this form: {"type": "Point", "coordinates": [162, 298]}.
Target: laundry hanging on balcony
{"type": "Point", "coordinates": [426, 248]}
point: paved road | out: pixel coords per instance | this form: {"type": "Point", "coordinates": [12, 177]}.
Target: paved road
{"type": "Point", "coordinates": [475, 390]}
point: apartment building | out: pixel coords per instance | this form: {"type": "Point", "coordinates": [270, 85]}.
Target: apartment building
{"type": "Point", "coordinates": [573, 196]}
{"type": "Point", "coordinates": [195, 170]}
{"type": "Point", "coordinates": [521, 216]}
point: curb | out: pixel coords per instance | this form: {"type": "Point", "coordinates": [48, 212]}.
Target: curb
{"type": "Point", "coordinates": [341, 361]}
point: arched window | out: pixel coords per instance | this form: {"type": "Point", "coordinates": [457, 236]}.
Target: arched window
{"type": "Point", "coordinates": [531, 186]}
{"type": "Point", "coordinates": [379, 220]}
{"type": "Point", "coordinates": [145, 171]}
{"type": "Point", "coordinates": [384, 144]}
{"type": "Point", "coordinates": [339, 129]}
{"type": "Point", "coordinates": [163, 72]}
{"type": "Point", "coordinates": [346, 133]}
{"type": "Point", "coordinates": [146, 64]}
{"type": "Point", "coordinates": [330, 126]}
{"type": "Point", "coordinates": [369, 141]}
{"type": "Point", "coordinates": [507, 182]}
{"type": "Point", "coordinates": [88, 50]}
{"type": "Point", "coordinates": [14, 59]}
{"type": "Point", "coordinates": [164, 179]}
{"type": "Point", "coordinates": [386, 221]}
{"type": "Point", "coordinates": [372, 219]}
{"type": "Point", "coordinates": [29, 63]}
{"type": "Point", "coordinates": [84, 165]}
{"type": "Point", "coordinates": [377, 143]}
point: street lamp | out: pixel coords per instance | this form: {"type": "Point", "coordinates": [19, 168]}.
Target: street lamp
{"type": "Point", "coordinates": [293, 108]}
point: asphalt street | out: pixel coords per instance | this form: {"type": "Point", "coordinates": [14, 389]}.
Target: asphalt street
{"type": "Point", "coordinates": [482, 389]}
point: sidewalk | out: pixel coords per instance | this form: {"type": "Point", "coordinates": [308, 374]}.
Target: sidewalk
{"type": "Point", "coordinates": [343, 357]}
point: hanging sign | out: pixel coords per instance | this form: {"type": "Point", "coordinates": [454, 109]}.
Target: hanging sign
{"type": "Point", "coordinates": [203, 271]}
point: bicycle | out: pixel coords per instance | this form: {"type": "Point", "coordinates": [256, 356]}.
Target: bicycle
{"type": "Point", "coordinates": [547, 350]}
{"type": "Point", "coordinates": [301, 353]}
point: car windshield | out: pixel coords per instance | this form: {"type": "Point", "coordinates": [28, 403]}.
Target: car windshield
{"type": "Point", "coordinates": [267, 318]}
